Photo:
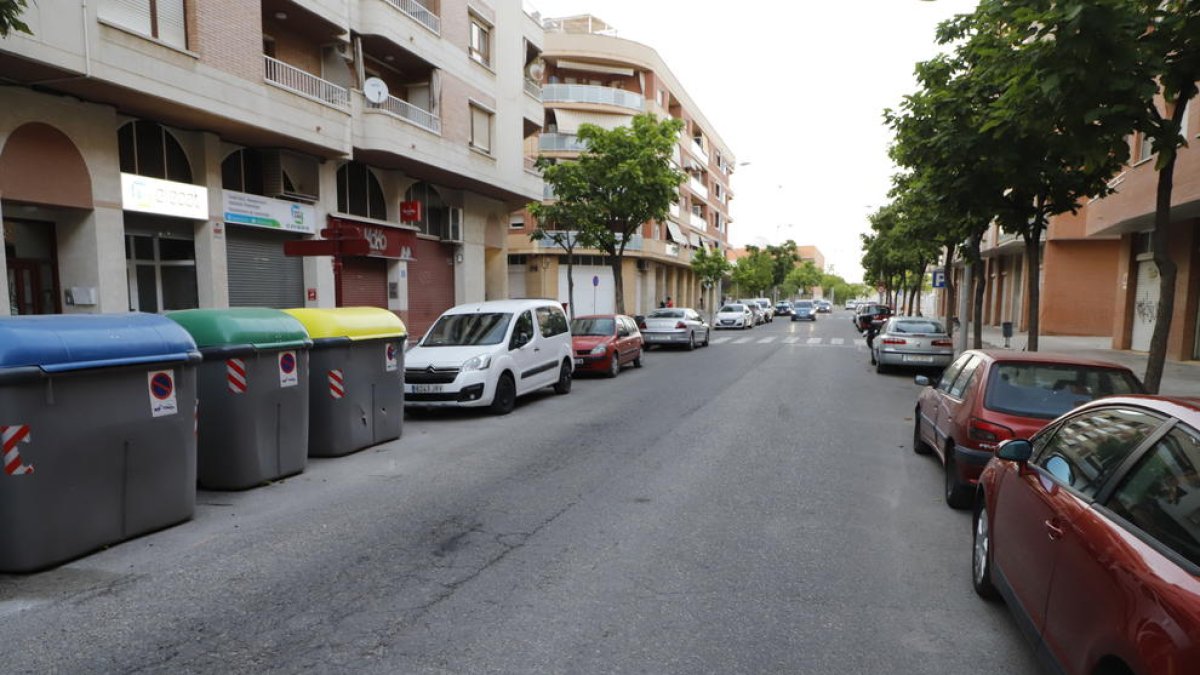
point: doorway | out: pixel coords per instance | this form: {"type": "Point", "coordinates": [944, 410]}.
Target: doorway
{"type": "Point", "coordinates": [31, 265]}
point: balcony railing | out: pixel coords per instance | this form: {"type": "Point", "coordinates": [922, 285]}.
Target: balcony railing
{"type": "Point", "coordinates": [698, 152]}
{"type": "Point", "coordinates": [699, 222]}
{"type": "Point", "coordinates": [531, 165]}
{"type": "Point", "coordinates": [419, 13]}
{"type": "Point", "coordinates": [561, 143]}
{"type": "Point", "coordinates": [533, 89]}
{"type": "Point", "coordinates": [673, 209]}
{"type": "Point", "coordinates": [698, 187]}
{"type": "Point", "coordinates": [409, 113]}
{"type": "Point", "coordinates": [590, 93]}
{"type": "Point", "coordinates": [306, 84]}
{"type": "Point", "coordinates": [548, 192]}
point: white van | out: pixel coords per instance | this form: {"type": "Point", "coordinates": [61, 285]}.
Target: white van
{"type": "Point", "coordinates": [488, 354]}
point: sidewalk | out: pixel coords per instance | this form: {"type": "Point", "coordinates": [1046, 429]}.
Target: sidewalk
{"type": "Point", "coordinates": [1180, 378]}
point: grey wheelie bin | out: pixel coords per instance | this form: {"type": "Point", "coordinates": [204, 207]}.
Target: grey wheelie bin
{"type": "Point", "coordinates": [97, 425]}
{"type": "Point", "coordinates": [357, 396]}
{"type": "Point", "coordinates": [253, 388]}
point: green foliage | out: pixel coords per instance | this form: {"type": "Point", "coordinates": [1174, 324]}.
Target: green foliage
{"type": "Point", "coordinates": [710, 266]}
{"type": "Point", "coordinates": [802, 279]}
{"type": "Point", "coordinates": [10, 17]}
{"type": "Point", "coordinates": [754, 274]}
{"type": "Point", "coordinates": [783, 260]}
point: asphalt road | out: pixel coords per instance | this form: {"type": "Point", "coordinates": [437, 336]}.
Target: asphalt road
{"type": "Point", "coordinates": [751, 507]}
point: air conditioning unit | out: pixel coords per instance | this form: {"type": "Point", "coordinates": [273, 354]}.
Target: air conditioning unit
{"type": "Point", "coordinates": [289, 176]}
{"type": "Point", "coordinates": [643, 265]}
{"type": "Point", "coordinates": [454, 226]}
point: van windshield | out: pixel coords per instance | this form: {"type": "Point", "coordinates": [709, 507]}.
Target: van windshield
{"type": "Point", "coordinates": [464, 330]}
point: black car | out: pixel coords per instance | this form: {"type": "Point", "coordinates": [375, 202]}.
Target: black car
{"type": "Point", "coordinates": [871, 313]}
{"type": "Point", "coordinates": [783, 309]}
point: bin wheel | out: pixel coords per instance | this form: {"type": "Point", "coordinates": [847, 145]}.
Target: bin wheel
{"type": "Point", "coordinates": [505, 397]}
{"type": "Point", "coordinates": [563, 386]}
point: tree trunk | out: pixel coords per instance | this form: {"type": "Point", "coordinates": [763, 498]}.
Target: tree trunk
{"type": "Point", "coordinates": [1033, 264]}
{"type": "Point", "coordinates": [1167, 273]}
{"type": "Point", "coordinates": [618, 280]}
{"type": "Point", "coordinates": [971, 253]}
{"type": "Point", "coordinates": [571, 283]}
{"type": "Point", "coordinates": [947, 269]}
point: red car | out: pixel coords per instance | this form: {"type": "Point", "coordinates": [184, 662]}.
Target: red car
{"type": "Point", "coordinates": [1090, 530]}
{"type": "Point", "coordinates": [988, 396]}
{"type": "Point", "coordinates": [603, 343]}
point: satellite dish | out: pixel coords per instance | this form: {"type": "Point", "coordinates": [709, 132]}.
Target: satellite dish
{"type": "Point", "coordinates": [535, 70]}
{"type": "Point", "coordinates": [375, 89]}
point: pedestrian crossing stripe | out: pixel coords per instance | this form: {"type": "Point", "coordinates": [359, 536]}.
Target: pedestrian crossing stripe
{"type": "Point", "coordinates": [766, 341]}
{"type": "Point", "coordinates": [837, 341]}
{"type": "Point", "coordinates": [721, 340]}
{"type": "Point", "coordinates": [860, 343]}
{"type": "Point", "coordinates": [791, 340]}
{"type": "Point", "coordinates": [742, 341]}
{"type": "Point", "coordinates": [814, 341]}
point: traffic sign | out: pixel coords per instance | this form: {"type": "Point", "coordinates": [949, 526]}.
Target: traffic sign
{"type": "Point", "coordinates": [939, 278]}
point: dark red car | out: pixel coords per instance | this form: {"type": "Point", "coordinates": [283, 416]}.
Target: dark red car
{"type": "Point", "coordinates": [603, 343]}
{"type": "Point", "coordinates": [988, 396]}
{"type": "Point", "coordinates": [1090, 530]}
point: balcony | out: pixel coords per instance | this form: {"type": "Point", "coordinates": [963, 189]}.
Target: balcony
{"type": "Point", "coordinates": [673, 210]}
{"type": "Point", "coordinates": [588, 93]}
{"type": "Point", "coordinates": [409, 113]}
{"type": "Point", "coordinates": [419, 13]}
{"type": "Point", "coordinates": [531, 166]}
{"type": "Point", "coordinates": [699, 153]}
{"type": "Point", "coordinates": [698, 187]}
{"type": "Point", "coordinates": [533, 89]}
{"type": "Point", "coordinates": [561, 143]}
{"type": "Point", "coordinates": [305, 84]}
{"type": "Point", "coordinates": [698, 221]}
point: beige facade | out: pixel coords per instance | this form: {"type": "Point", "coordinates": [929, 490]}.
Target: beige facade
{"type": "Point", "coordinates": [273, 94]}
{"type": "Point", "coordinates": [593, 77]}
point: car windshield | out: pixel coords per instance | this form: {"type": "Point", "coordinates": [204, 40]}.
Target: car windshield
{"type": "Point", "coordinates": [803, 305]}
{"type": "Point", "coordinates": [917, 327]}
{"type": "Point", "coordinates": [738, 309]}
{"type": "Point", "coordinates": [1047, 390]}
{"type": "Point", "coordinates": [461, 330]}
{"type": "Point", "coordinates": [666, 314]}
{"type": "Point", "coordinates": [593, 327]}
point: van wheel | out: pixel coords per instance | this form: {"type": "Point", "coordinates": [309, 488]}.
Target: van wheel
{"type": "Point", "coordinates": [563, 386]}
{"type": "Point", "coordinates": [505, 397]}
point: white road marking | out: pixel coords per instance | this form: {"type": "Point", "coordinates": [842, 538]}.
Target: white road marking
{"type": "Point", "coordinates": [791, 340]}
{"type": "Point", "coordinates": [742, 341]}
{"type": "Point", "coordinates": [860, 343]}
{"type": "Point", "coordinates": [837, 341]}
{"type": "Point", "coordinates": [814, 341]}
{"type": "Point", "coordinates": [766, 340]}
{"type": "Point", "coordinates": [721, 340]}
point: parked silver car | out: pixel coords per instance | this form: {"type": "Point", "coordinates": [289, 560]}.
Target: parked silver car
{"type": "Point", "coordinates": [734, 315]}
{"type": "Point", "coordinates": [911, 342]}
{"type": "Point", "coordinates": [675, 326]}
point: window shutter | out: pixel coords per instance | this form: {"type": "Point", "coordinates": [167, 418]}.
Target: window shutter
{"type": "Point", "coordinates": [131, 14]}
{"type": "Point", "coordinates": [172, 23]}
{"type": "Point", "coordinates": [480, 129]}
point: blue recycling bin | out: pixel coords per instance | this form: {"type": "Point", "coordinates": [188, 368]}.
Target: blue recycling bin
{"type": "Point", "coordinates": [97, 430]}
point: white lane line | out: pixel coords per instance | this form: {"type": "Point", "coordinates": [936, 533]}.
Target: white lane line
{"type": "Point", "coordinates": [766, 341]}
{"type": "Point", "coordinates": [721, 340]}
{"type": "Point", "coordinates": [814, 341]}
{"type": "Point", "coordinates": [860, 343]}
{"type": "Point", "coordinates": [742, 341]}
{"type": "Point", "coordinates": [791, 340]}
{"type": "Point", "coordinates": [837, 341]}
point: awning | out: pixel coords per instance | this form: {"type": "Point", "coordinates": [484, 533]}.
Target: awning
{"type": "Point", "coordinates": [595, 68]}
{"type": "Point", "coordinates": [676, 233]}
{"type": "Point", "coordinates": [569, 120]}
{"type": "Point", "coordinates": [697, 242]}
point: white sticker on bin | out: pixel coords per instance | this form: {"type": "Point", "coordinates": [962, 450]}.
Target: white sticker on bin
{"type": "Point", "coordinates": [289, 375]}
{"type": "Point", "coordinates": [389, 354]}
{"type": "Point", "coordinates": [161, 385]}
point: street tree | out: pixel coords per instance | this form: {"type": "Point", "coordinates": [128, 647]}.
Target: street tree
{"type": "Point", "coordinates": [754, 272]}
{"type": "Point", "coordinates": [10, 17]}
{"type": "Point", "coordinates": [803, 278]}
{"type": "Point", "coordinates": [621, 181]}
{"type": "Point", "coordinates": [710, 266]}
{"type": "Point", "coordinates": [783, 260]}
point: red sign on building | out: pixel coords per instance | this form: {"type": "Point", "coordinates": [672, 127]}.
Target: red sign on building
{"type": "Point", "coordinates": [410, 212]}
{"type": "Point", "coordinates": [382, 241]}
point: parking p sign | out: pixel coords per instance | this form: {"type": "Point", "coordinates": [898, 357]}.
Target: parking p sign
{"type": "Point", "coordinates": [939, 278]}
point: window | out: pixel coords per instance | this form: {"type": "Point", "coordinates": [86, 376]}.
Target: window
{"type": "Point", "coordinates": [359, 193]}
{"type": "Point", "coordinates": [524, 327]}
{"type": "Point", "coordinates": [964, 379]}
{"type": "Point", "coordinates": [242, 171]}
{"type": "Point", "coordinates": [481, 129]}
{"type": "Point", "coordinates": [1047, 390]}
{"type": "Point", "coordinates": [163, 20]}
{"type": "Point", "coordinates": [1146, 148]}
{"type": "Point", "coordinates": [481, 38]}
{"type": "Point", "coordinates": [552, 321]}
{"type": "Point", "coordinates": [456, 330]}
{"type": "Point", "coordinates": [1161, 496]}
{"type": "Point", "coordinates": [148, 149]}
{"type": "Point", "coordinates": [1088, 448]}
{"type": "Point", "coordinates": [435, 214]}
{"type": "Point", "coordinates": [161, 273]}
{"type": "Point", "coordinates": [516, 224]}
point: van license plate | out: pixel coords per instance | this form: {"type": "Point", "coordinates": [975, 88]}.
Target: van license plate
{"type": "Point", "coordinates": [427, 389]}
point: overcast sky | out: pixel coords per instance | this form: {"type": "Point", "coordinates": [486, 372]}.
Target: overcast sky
{"type": "Point", "coordinates": [797, 89]}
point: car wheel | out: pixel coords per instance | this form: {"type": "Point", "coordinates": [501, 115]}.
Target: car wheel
{"type": "Point", "coordinates": [691, 345]}
{"type": "Point", "coordinates": [958, 494]}
{"type": "Point", "coordinates": [614, 367]}
{"type": "Point", "coordinates": [637, 361]}
{"type": "Point", "coordinates": [981, 553]}
{"type": "Point", "coordinates": [505, 397]}
{"type": "Point", "coordinates": [707, 337]}
{"type": "Point", "coordinates": [919, 446]}
{"type": "Point", "coordinates": [563, 386]}
{"type": "Point", "coordinates": [879, 367]}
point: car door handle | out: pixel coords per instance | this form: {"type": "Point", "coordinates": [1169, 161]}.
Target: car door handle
{"type": "Point", "coordinates": [1053, 530]}
{"type": "Point", "coordinates": [537, 349]}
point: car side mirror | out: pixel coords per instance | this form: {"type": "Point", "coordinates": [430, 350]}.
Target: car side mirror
{"type": "Point", "coordinates": [1015, 450]}
{"type": "Point", "coordinates": [922, 381]}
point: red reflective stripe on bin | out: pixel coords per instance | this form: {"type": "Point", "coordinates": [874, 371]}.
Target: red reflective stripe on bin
{"type": "Point", "coordinates": [337, 384]}
{"type": "Point", "coordinates": [235, 373]}
{"type": "Point", "coordinates": [10, 436]}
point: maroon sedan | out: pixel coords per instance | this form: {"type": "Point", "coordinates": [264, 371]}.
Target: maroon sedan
{"type": "Point", "coordinates": [1090, 530]}
{"type": "Point", "coordinates": [603, 343]}
{"type": "Point", "coordinates": [988, 396]}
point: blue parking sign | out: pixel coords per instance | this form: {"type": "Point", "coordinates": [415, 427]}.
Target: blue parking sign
{"type": "Point", "coordinates": [939, 278]}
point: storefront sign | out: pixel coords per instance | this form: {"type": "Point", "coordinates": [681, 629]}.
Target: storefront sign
{"type": "Point", "coordinates": [163, 197]}
{"type": "Point", "coordinates": [382, 241]}
{"type": "Point", "coordinates": [275, 214]}
{"type": "Point", "coordinates": [410, 211]}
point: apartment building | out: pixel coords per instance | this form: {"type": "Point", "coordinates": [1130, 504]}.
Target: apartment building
{"type": "Point", "coordinates": [160, 154]}
{"type": "Point", "coordinates": [592, 76]}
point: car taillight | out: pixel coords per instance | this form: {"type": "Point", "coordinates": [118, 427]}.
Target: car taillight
{"type": "Point", "coordinates": [986, 434]}
{"type": "Point", "coordinates": [895, 341]}
{"type": "Point", "coordinates": [680, 325]}
{"type": "Point", "coordinates": [943, 343]}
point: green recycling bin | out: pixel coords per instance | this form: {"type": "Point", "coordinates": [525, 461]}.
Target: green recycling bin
{"type": "Point", "coordinates": [253, 390]}
{"type": "Point", "coordinates": [97, 433]}
{"type": "Point", "coordinates": [357, 396]}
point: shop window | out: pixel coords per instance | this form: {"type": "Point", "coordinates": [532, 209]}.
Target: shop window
{"type": "Point", "coordinates": [148, 149]}
{"type": "Point", "coordinates": [359, 192]}
{"type": "Point", "coordinates": [161, 273]}
{"type": "Point", "coordinates": [435, 213]}
{"type": "Point", "coordinates": [163, 20]}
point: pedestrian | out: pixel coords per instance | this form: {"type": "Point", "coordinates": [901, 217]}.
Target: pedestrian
{"type": "Point", "coordinates": [662, 303]}
{"type": "Point", "coordinates": [669, 303]}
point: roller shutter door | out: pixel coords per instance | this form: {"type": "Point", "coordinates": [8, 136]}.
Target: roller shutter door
{"type": "Point", "coordinates": [260, 275]}
{"type": "Point", "coordinates": [364, 282]}
{"type": "Point", "coordinates": [430, 284]}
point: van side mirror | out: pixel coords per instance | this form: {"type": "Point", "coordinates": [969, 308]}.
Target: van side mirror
{"type": "Point", "coordinates": [1015, 450]}
{"type": "Point", "coordinates": [922, 381]}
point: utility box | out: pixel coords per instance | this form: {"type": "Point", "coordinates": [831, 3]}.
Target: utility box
{"type": "Point", "coordinates": [253, 389]}
{"type": "Point", "coordinates": [357, 362]}
{"type": "Point", "coordinates": [97, 433]}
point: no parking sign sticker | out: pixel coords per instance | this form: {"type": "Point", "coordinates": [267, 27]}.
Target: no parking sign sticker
{"type": "Point", "coordinates": [389, 353]}
{"type": "Point", "coordinates": [288, 373]}
{"type": "Point", "coordinates": [161, 384]}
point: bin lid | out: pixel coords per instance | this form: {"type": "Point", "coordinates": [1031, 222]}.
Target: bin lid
{"type": "Point", "coordinates": [257, 327]}
{"type": "Point", "coordinates": [64, 342]}
{"type": "Point", "coordinates": [356, 323]}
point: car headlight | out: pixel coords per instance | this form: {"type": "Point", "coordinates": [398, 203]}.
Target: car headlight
{"type": "Point", "coordinates": [599, 349]}
{"type": "Point", "coordinates": [477, 363]}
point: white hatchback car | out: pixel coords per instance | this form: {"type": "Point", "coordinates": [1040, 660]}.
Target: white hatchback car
{"type": "Point", "coordinates": [488, 354]}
